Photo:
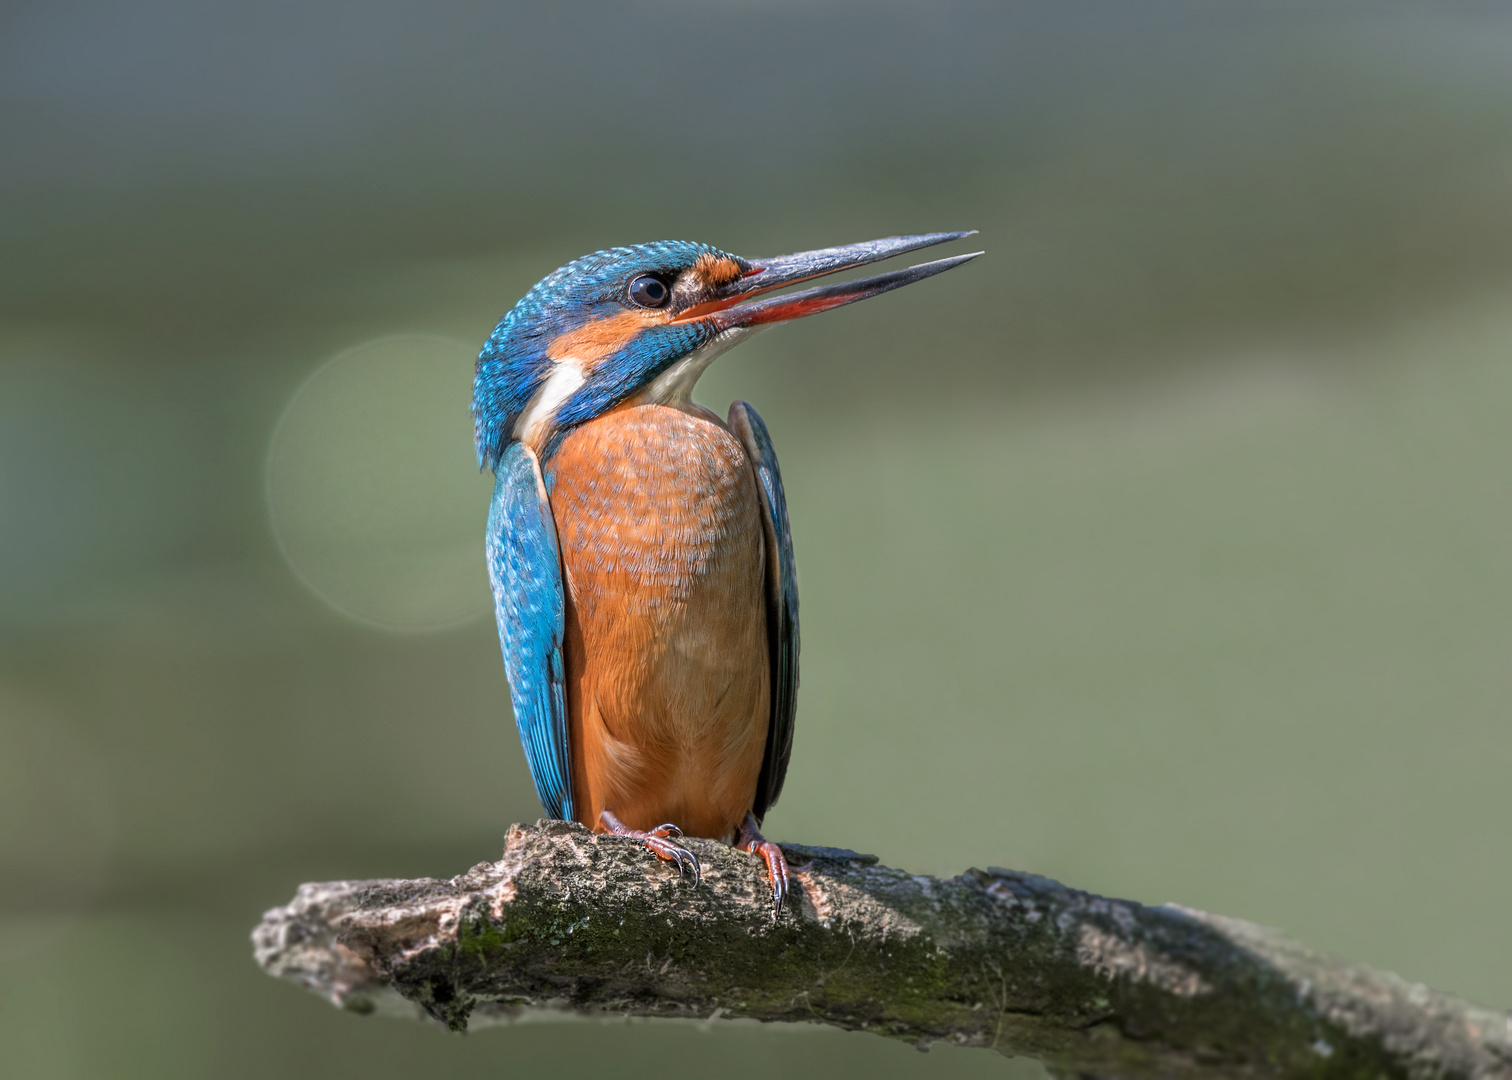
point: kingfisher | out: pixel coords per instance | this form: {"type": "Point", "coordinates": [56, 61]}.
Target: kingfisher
{"type": "Point", "coordinates": [638, 544]}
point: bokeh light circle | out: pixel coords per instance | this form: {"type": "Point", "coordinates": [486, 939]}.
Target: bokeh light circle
{"type": "Point", "coordinates": [373, 488]}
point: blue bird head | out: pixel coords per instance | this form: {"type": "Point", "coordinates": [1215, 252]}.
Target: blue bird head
{"type": "Point", "coordinates": [642, 323]}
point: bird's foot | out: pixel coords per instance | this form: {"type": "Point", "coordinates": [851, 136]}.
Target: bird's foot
{"type": "Point", "coordinates": [751, 840]}
{"type": "Point", "coordinates": [660, 841]}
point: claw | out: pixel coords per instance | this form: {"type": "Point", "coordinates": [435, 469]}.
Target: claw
{"type": "Point", "coordinates": [682, 853]}
{"type": "Point", "coordinates": [751, 840]}
{"type": "Point", "coordinates": [670, 851]}
{"type": "Point", "coordinates": [660, 841]}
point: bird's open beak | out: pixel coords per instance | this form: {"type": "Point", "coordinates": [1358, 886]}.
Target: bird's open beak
{"type": "Point", "coordinates": [735, 308]}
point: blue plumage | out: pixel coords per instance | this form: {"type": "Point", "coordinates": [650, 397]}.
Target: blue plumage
{"type": "Point", "coordinates": [524, 568]}
{"type": "Point", "coordinates": [513, 362]}
{"type": "Point", "coordinates": [658, 732]}
{"type": "Point", "coordinates": [621, 375]}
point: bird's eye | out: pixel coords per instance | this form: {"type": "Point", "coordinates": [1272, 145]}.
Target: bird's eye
{"type": "Point", "coordinates": [648, 291]}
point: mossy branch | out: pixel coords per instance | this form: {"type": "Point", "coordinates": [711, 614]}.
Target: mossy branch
{"type": "Point", "coordinates": [586, 924]}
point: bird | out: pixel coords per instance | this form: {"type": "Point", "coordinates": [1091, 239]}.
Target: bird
{"type": "Point", "coordinates": [638, 544]}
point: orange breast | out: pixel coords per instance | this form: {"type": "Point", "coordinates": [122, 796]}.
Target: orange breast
{"type": "Point", "coordinates": [666, 653]}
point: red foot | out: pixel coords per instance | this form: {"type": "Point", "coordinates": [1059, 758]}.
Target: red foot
{"type": "Point", "coordinates": [777, 868]}
{"type": "Point", "coordinates": [661, 841]}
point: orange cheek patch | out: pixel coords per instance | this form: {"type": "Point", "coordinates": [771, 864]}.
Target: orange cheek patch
{"type": "Point", "coordinates": [713, 271]}
{"type": "Point", "coordinates": [602, 338]}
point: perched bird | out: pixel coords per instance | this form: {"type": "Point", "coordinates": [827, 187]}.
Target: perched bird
{"type": "Point", "coordinates": [638, 545]}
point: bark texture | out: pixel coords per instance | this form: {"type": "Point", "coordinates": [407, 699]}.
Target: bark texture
{"type": "Point", "coordinates": [586, 924]}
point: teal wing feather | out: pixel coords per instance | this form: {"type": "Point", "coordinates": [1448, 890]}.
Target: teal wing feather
{"type": "Point", "coordinates": [525, 570]}
{"type": "Point", "coordinates": [782, 604]}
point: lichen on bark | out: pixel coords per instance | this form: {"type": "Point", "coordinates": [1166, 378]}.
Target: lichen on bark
{"type": "Point", "coordinates": [576, 923]}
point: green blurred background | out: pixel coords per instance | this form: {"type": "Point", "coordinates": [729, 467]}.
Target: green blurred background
{"type": "Point", "coordinates": [1163, 550]}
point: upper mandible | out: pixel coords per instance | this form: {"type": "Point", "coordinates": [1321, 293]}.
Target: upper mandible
{"type": "Point", "coordinates": [647, 319]}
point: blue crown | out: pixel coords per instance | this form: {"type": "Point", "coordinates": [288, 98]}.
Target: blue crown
{"type": "Point", "coordinates": [514, 362]}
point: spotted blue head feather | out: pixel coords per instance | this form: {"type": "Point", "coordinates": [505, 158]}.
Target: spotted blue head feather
{"type": "Point", "coordinates": [515, 361]}
{"type": "Point", "coordinates": [633, 324]}
{"type": "Point", "coordinates": [645, 320]}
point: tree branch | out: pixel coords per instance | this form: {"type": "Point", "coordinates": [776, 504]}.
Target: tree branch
{"type": "Point", "coordinates": [572, 921]}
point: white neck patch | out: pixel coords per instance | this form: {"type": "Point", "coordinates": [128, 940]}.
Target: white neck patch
{"type": "Point", "coordinates": [673, 387]}
{"type": "Point", "coordinates": [561, 384]}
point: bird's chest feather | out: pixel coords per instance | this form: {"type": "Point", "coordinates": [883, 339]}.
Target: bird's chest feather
{"type": "Point", "coordinates": [662, 552]}
{"type": "Point", "coordinates": [652, 504]}
{"type": "Point", "coordinates": [666, 656]}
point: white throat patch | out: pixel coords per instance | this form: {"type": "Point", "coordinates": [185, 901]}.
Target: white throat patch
{"type": "Point", "coordinates": [674, 386]}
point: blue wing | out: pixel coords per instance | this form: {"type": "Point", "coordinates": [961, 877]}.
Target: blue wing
{"type": "Point", "coordinates": [525, 570]}
{"type": "Point", "coordinates": [782, 604]}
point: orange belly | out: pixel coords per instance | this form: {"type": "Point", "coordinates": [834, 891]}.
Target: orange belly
{"type": "Point", "coordinates": [666, 650]}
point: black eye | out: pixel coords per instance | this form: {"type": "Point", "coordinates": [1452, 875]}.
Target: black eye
{"type": "Point", "coordinates": [648, 291]}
